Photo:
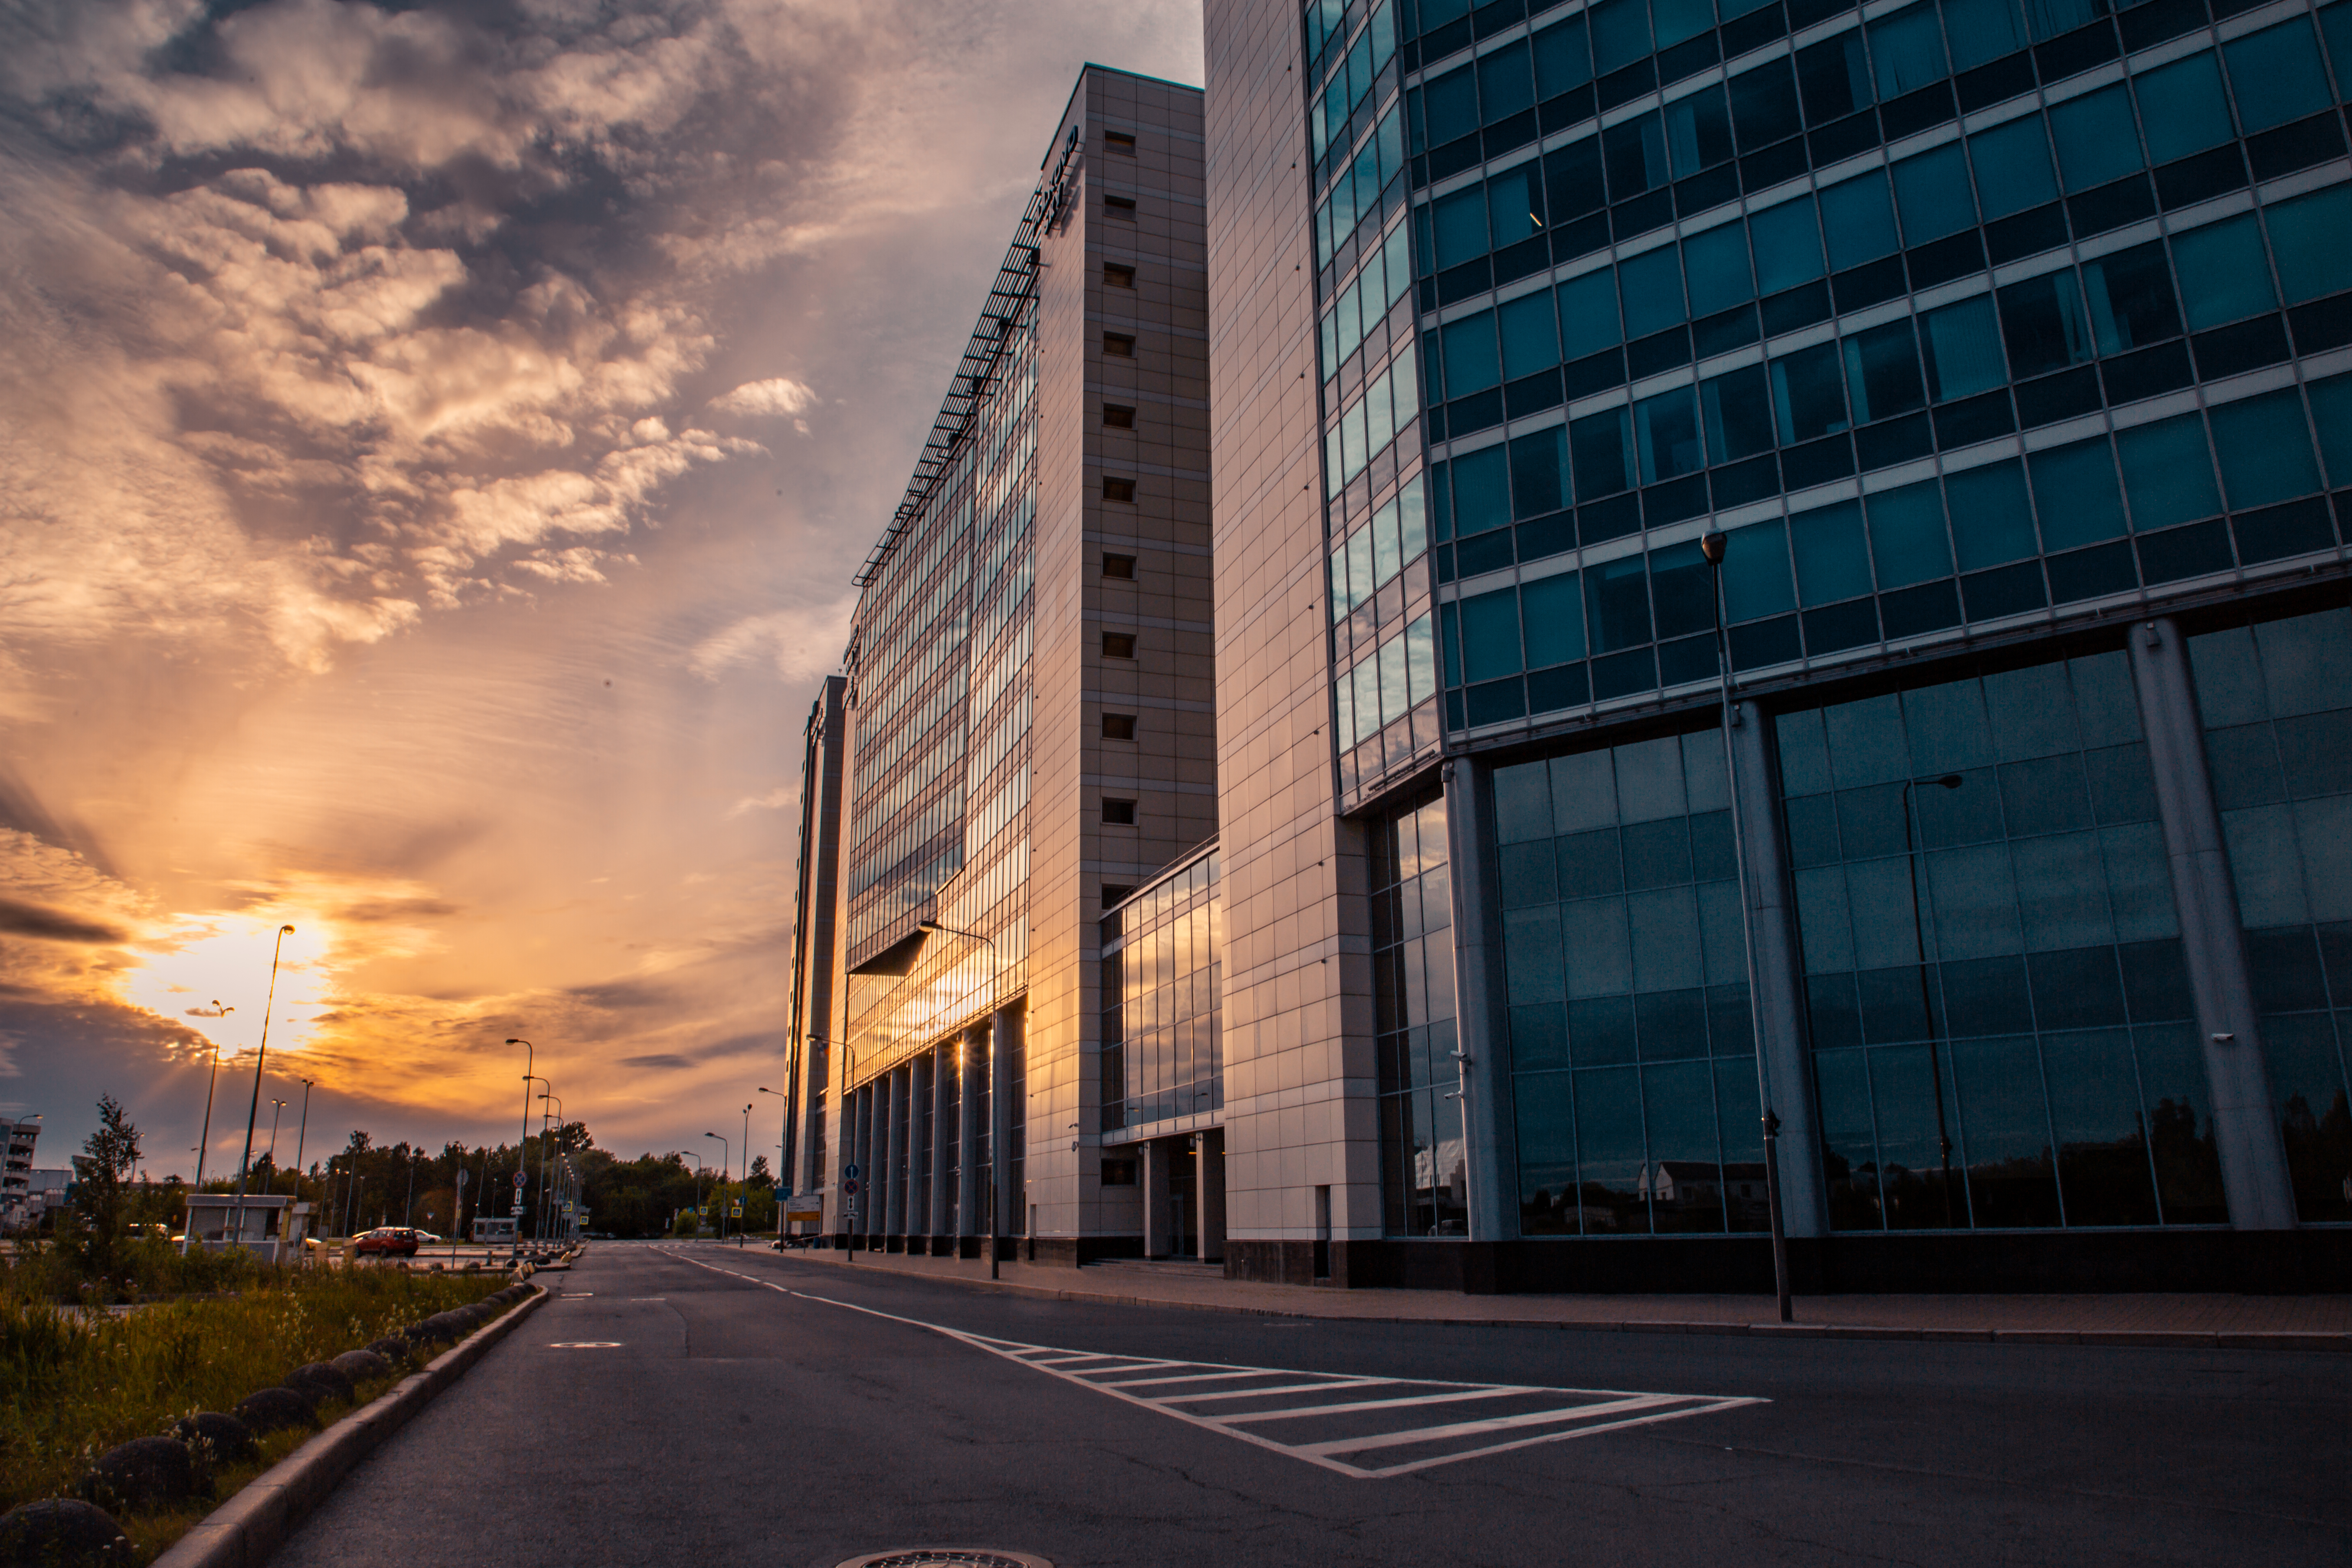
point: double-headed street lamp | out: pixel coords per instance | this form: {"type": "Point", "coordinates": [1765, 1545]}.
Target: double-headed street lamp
{"type": "Point", "coordinates": [546, 1190]}
{"type": "Point", "coordinates": [1003, 1052]}
{"type": "Point", "coordinates": [726, 1162]}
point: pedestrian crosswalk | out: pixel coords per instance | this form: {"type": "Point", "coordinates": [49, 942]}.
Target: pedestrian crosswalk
{"type": "Point", "coordinates": [1357, 1426]}
{"type": "Point", "coordinates": [1360, 1427]}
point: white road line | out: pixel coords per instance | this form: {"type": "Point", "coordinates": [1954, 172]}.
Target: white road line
{"type": "Point", "coordinates": [1494, 1423]}
{"type": "Point", "coordinates": [1636, 1409]}
{"type": "Point", "coordinates": [1297, 1411]}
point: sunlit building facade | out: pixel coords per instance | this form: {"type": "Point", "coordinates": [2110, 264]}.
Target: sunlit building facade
{"type": "Point", "coordinates": [1027, 712]}
{"type": "Point", "coordinates": [2009, 347]}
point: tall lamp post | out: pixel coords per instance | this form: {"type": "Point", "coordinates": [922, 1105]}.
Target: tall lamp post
{"type": "Point", "coordinates": [747, 1163]}
{"type": "Point", "coordinates": [260, 1066]}
{"type": "Point", "coordinates": [523, 1155]}
{"type": "Point", "coordinates": [211, 1082]}
{"type": "Point", "coordinates": [850, 1208]}
{"type": "Point", "coordinates": [690, 1154]}
{"type": "Point", "coordinates": [1713, 546]}
{"type": "Point", "coordinates": [277, 1109]}
{"type": "Point", "coordinates": [1926, 1002]}
{"type": "Point", "coordinates": [783, 1176]}
{"type": "Point", "coordinates": [996, 1156]}
{"type": "Point", "coordinates": [547, 1194]}
{"type": "Point", "coordinates": [301, 1137]}
{"type": "Point", "coordinates": [726, 1162]}
{"type": "Point", "coordinates": [528, 1052]}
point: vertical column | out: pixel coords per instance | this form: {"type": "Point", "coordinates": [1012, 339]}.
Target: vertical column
{"type": "Point", "coordinates": [2246, 1135]}
{"type": "Point", "coordinates": [1786, 1068]}
{"type": "Point", "coordinates": [877, 1145]}
{"type": "Point", "coordinates": [1158, 1219]}
{"type": "Point", "coordinates": [1004, 1033]}
{"type": "Point", "coordinates": [1488, 1134]}
{"type": "Point", "coordinates": [919, 1149]}
{"type": "Point", "coordinates": [894, 1218]}
{"type": "Point", "coordinates": [943, 1074]}
{"type": "Point", "coordinates": [1211, 1187]}
{"type": "Point", "coordinates": [969, 1187]}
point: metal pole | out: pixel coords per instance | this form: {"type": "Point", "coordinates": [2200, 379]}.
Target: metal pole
{"type": "Point", "coordinates": [260, 1066]}
{"type": "Point", "coordinates": [1713, 547]}
{"type": "Point", "coordinates": [528, 1051]}
{"type": "Point", "coordinates": [1926, 1002]}
{"type": "Point", "coordinates": [301, 1138]}
{"type": "Point", "coordinates": [726, 1162]}
{"type": "Point", "coordinates": [747, 1162]}
{"type": "Point", "coordinates": [210, 1083]}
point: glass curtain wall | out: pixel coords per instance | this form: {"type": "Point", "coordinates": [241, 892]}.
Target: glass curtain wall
{"type": "Point", "coordinates": [1162, 980]}
{"type": "Point", "coordinates": [1422, 1173]}
{"type": "Point", "coordinates": [2277, 705]}
{"type": "Point", "coordinates": [1632, 1050]}
{"type": "Point", "coordinates": [2042, 1066]}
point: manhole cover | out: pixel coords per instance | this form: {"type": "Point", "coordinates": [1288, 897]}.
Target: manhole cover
{"type": "Point", "coordinates": [947, 1557]}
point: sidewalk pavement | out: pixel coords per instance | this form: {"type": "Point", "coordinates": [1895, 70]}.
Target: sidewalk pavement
{"type": "Point", "coordinates": [2183, 1321]}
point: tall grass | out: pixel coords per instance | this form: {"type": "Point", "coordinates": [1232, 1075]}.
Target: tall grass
{"type": "Point", "coordinates": [75, 1383]}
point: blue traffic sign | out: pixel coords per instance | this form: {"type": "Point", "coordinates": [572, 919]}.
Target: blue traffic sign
{"type": "Point", "coordinates": [851, 1170]}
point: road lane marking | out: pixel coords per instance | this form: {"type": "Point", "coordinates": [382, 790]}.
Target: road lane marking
{"type": "Point", "coordinates": [1570, 1413]}
{"type": "Point", "coordinates": [586, 1345]}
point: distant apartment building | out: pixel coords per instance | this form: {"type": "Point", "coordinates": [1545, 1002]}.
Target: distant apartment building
{"type": "Point", "coordinates": [1025, 733]}
{"type": "Point", "coordinates": [18, 1206]}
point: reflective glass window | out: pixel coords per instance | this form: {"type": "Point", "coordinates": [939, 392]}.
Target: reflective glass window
{"type": "Point", "coordinates": [1981, 30]}
{"type": "Point", "coordinates": [1423, 1168]}
{"type": "Point", "coordinates": [2000, 1034]}
{"type": "Point", "coordinates": [1932, 193]}
{"type": "Point", "coordinates": [2183, 107]}
{"type": "Point", "coordinates": [2096, 138]}
{"type": "Point", "coordinates": [2168, 472]}
{"type": "Point", "coordinates": [2331, 415]}
{"type": "Point", "coordinates": [1514, 207]}
{"type": "Point", "coordinates": [1764, 105]}
{"type": "Point", "coordinates": [1808, 394]}
{"type": "Point", "coordinates": [1833, 77]}
{"type": "Point", "coordinates": [1675, 20]}
{"type": "Point", "coordinates": [1716, 263]}
{"type": "Point", "coordinates": [1471, 363]}
{"type": "Point", "coordinates": [1992, 518]}
{"type": "Point", "coordinates": [1572, 183]}
{"type": "Point", "coordinates": [2265, 449]}
{"type": "Point", "coordinates": [2012, 164]}
{"type": "Point", "coordinates": [1833, 562]}
{"type": "Point", "coordinates": [1755, 580]}
{"type": "Point", "coordinates": [1907, 542]}
{"type": "Point", "coordinates": [1562, 59]}
{"type": "Point", "coordinates": [1961, 346]}
{"type": "Point", "coordinates": [1450, 102]}
{"type": "Point", "coordinates": [2277, 75]}
{"type": "Point", "coordinates": [1635, 152]}
{"type": "Point", "coordinates": [1787, 240]}
{"type": "Point", "coordinates": [1698, 131]}
{"type": "Point", "coordinates": [1539, 472]}
{"type": "Point", "coordinates": [1882, 368]}
{"type": "Point", "coordinates": [1652, 286]}
{"type": "Point", "coordinates": [1458, 221]}
{"type": "Point", "coordinates": [1553, 612]}
{"type": "Point", "coordinates": [1490, 635]}
{"type": "Point", "coordinates": [1617, 603]}
{"type": "Point", "coordinates": [1599, 449]}
{"type": "Point", "coordinates": [2042, 324]}
{"type": "Point", "coordinates": [1530, 336]}
{"type": "Point", "coordinates": [1737, 407]}
{"type": "Point", "coordinates": [1621, 33]}
{"type": "Point", "coordinates": [2074, 493]}
{"type": "Point", "coordinates": [1666, 430]}
{"type": "Point", "coordinates": [1907, 50]}
{"type": "Point", "coordinates": [2225, 275]}
{"type": "Point", "coordinates": [1507, 82]}
{"type": "Point", "coordinates": [1859, 219]}
{"type": "Point", "coordinates": [2129, 294]}
{"type": "Point", "coordinates": [2276, 701]}
{"type": "Point", "coordinates": [1482, 491]}
{"type": "Point", "coordinates": [1588, 314]}
{"type": "Point", "coordinates": [2307, 238]}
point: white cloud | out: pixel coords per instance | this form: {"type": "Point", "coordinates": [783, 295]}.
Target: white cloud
{"type": "Point", "coordinates": [775, 398]}
{"type": "Point", "coordinates": [802, 644]}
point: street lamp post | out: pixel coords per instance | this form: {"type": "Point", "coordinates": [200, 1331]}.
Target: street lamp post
{"type": "Point", "coordinates": [211, 1082]}
{"type": "Point", "coordinates": [530, 1051]}
{"type": "Point", "coordinates": [547, 1191]}
{"type": "Point", "coordinates": [726, 1162]}
{"type": "Point", "coordinates": [1713, 547]}
{"type": "Point", "coordinates": [408, 1211]}
{"type": "Point", "coordinates": [747, 1163]}
{"type": "Point", "coordinates": [698, 1163]}
{"type": "Point", "coordinates": [260, 1066]}
{"type": "Point", "coordinates": [1926, 1002]}
{"type": "Point", "coordinates": [996, 1155]}
{"type": "Point", "coordinates": [277, 1109]}
{"type": "Point", "coordinates": [783, 1176]}
{"type": "Point", "coordinates": [302, 1137]}
{"type": "Point", "coordinates": [522, 1156]}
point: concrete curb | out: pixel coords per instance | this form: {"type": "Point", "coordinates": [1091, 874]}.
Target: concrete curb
{"type": "Point", "coordinates": [243, 1532]}
{"type": "Point", "coordinates": [2133, 1339]}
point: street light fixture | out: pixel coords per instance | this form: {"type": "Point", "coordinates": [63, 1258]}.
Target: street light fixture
{"type": "Point", "coordinates": [530, 1052]}
{"type": "Point", "coordinates": [302, 1137]}
{"type": "Point", "coordinates": [211, 1082]}
{"type": "Point", "coordinates": [996, 1155]}
{"type": "Point", "coordinates": [523, 1155]}
{"type": "Point", "coordinates": [1713, 546]}
{"type": "Point", "coordinates": [783, 1176]}
{"type": "Point", "coordinates": [260, 1066]}
{"type": "Point", "coordinates": [698, 1163]}
{"type": "Point", "coordinates": [277, 1109]}
{"type": "Point", "coordinates": [1926, 1002]}
{"type": "Point", "coordinates": [546, 1189]}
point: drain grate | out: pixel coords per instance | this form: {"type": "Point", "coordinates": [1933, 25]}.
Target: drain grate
{"type": "Point", "coordinates": [947, 1557]}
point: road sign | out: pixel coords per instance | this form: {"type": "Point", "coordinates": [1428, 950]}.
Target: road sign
{"type": "Point", "coordinates": [848, 1186]}
{"type": "Point", "coordinates": [735, 1213]}
{"type": "Point", "coordinates": [850, 1171]}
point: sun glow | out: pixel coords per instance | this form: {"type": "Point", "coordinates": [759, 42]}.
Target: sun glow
{"type": "Point", "coordinates": [199, 963]}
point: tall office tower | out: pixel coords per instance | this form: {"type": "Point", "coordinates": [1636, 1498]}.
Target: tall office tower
{"type": "Point", "coordinates": [1028, 707]}
{"type": "Point", "coordinates": [816, 940]}
{"type": "Point", "coordinates": [2008, 347]}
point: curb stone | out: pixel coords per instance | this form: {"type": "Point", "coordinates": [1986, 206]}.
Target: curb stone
{"type": "Point", "coordinates": [2133, 1339]}
{"type": "Point", "coordinates": [244, 1530]}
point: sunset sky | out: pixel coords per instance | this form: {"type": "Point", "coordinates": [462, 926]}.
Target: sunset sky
{"type": "Point", "coordinates": [435, 444]}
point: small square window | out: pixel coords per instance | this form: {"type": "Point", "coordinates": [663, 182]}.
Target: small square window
{"type": "Point", "coordinates": [1119, 645]}
{"type": "Point", "coordinates": [1118, 275]}
{"type": "Point", "coordinates": [1120, 207]}
{"type": "Point", "coordinates": [1119, 141]}
{"type": "Point", "coordinates": [1118, 416]}
{"type": "Point", "coordinates": [1121, 345]}
{"type": "Point", "coordinates": [1118, 726]}
{"type": "Point", "coordinates": [1119, 566]}
{"type": "Point", "coordinates": [1119, 813]}
{"type": "Point", "coordinates": [1117, 489]}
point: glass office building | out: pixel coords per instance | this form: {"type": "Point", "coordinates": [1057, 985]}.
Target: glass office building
{"type": "Point", "coordinates": [2008, 346]}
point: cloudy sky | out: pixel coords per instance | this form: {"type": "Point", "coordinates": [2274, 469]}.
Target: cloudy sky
{"type": "Point", "coordinates": [435, 442]}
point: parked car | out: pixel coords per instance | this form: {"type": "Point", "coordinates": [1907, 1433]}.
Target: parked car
{"type": "Point", "coordinates": [389, 1241]}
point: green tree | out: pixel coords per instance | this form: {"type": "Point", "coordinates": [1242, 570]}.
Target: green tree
{"type": "Point", "coordinates": [101, 1185]}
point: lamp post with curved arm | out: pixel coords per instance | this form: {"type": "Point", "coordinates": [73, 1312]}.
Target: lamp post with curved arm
{"type": "Point", "coordinates": [523, 1155]}
{"type": "Point", "coordinates": [546, 1188]}
{"type": "Point", "coordinates": [690, 1154]}
{"type": "Point", "coordinates": [211, 1082]}
{"type": "Point", "coordinates": [783, 1176]}
{"type": "Point", "coordinates": [260, 1066]}
{"type": "Point", "coordinates": [302, 1137]}
{"type": "Point", "coordinates": [997, 1153]}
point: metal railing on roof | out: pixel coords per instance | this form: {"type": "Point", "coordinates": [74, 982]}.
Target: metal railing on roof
{"type": "Point", "coordinates": [976, 377]}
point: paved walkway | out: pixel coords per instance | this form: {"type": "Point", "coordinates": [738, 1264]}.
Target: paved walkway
{"type": "Point", "coordinates": [2181, 1320]}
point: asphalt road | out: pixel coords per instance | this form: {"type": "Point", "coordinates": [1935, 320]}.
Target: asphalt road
{"type": "Point", "coordinates": [694, 1404]}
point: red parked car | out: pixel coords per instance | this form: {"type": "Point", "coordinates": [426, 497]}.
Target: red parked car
{"type": "Point", "coordinates": [391, 1241]}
